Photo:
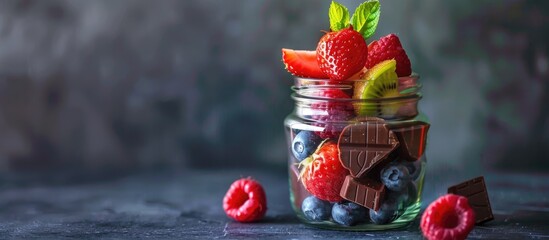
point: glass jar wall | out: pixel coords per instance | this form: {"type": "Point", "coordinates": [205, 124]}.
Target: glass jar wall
{"type": "Point", "coordinates": [356, 164]}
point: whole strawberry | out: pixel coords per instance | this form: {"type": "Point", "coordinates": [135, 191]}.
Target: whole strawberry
{"type": "Point", "coordinates": [322, 173]}
{"type": "Point", "coordinates": [341, 54]}
{"type": "Point", "coordinates": [387, 48]}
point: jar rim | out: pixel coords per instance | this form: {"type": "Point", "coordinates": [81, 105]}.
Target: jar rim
{"type": "Point", "coordinates": [304, 89]}
{"type": "Point", "coordinates": [411, 76]}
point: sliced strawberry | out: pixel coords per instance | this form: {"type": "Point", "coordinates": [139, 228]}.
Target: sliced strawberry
{"type": "Point", "coordinates": [302, 63]}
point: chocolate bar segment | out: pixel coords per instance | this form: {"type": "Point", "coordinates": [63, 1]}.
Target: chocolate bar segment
{"type": "Point", "coordinates": [364, 145]}
{"type": "Point", "coordinates": [412, 138]}
{"type": "Point", "coordinates": [476, 193]}
{"type": "Point", "coordinates": [365, 192]}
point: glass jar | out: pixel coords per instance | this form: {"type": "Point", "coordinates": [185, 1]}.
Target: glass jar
{"type": "Point", "coordinates": [355, 164]}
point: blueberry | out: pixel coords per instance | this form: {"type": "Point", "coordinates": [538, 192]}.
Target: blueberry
{"type": "Point", "coordinates": [397, 197]}
{"type": "Point", "coordinates": [411, 194]}
{"type": "Point", "coordinates": [304, 144]}
{"type": "Point", "coordinates": [395, 177]}
{"type": "Point", "coordinates": [394, 204]}
{"type": "Point", "coordinates": [315, 209]}
{"type": "Point", "coordinates": [414, 168]}
{"type": "Point", "coordinates": [349, 213]}
{"type": "Point", "coordinates": [387, 212]}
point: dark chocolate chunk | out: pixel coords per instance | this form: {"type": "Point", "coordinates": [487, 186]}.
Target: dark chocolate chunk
{"type": "Point", "coordinates": [476, 193]}
{"type": "Point", "coordinates": [412, 138]}
{"type": "Point", "coordinates": [365, 192]}
{"type": "Point", "coordinates": [364, 145]}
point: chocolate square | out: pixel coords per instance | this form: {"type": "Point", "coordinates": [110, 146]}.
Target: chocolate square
{"type": "Point", "coordinates": [476, 193]}
{"type": "Point", "coordinates": [365, 192]}
{"type": "Point", "coordinates": [364, 145]}
{"type": "Point", "coordinates": [412, 138]}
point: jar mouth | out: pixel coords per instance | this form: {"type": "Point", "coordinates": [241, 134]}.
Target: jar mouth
{"type": "Point", "coordinates": [309, 89]}
{"type": "Point", "coordinates": [312, 101]}
{"type": "Point", "coordinates": [324, 80]}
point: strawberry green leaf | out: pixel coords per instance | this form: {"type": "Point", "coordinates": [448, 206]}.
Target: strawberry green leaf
{"type": "Point", "coordinates": [339, 16]}
{"type": "Point", "coordinates": [365, 18]}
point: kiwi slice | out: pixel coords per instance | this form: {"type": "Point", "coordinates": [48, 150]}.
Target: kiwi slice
{"type": "Point", "coordinates": [381, 82]}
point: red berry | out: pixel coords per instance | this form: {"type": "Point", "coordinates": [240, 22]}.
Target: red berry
{"type": "Point", "coordinates": [245, 201]}
{"type": "Point", "coordinates": [387, 48]}
{"type": "Point", "coordinates": [332, 125]}
{"type": "Point", "coordinates": [341, 54]}
{"type": "Point", "coordinates": [302, 63]}
{"type": "Point", "coordinates": [335, 103]}
{"type": "Point", "coordinates": [331, 112]}
{"type": "Point", "coordinates": [449, 217]}
{"type": "Point", "coordinates": [322, 173]}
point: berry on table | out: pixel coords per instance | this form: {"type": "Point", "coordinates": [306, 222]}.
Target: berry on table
{"type": "Point", "coordinates": [316, 209]}
{"type": "Point", "coordinates": [386, 48]}
{"type": "Point", "coordinates": [448, 217]}
{"type": "Point", "coordinates": [349, 213]}
{"type": "Point", "coordinates": [304, 144]}
{"type": "Point", "coordinates": [245, 201]}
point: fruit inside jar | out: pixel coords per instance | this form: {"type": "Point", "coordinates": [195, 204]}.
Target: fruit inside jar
{"type": "Point", "coordinates": [355, 171]}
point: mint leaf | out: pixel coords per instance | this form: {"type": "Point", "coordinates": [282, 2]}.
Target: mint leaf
{"type": "Point", "coordinates": [339, 16]}
{"type": "Point", "coordinates": [366, 17]}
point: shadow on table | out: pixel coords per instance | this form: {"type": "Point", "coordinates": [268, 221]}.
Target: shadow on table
{"type": "Point", "coordinates": [281, 219]}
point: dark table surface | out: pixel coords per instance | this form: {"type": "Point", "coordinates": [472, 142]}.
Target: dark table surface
{"type": "Point", "coordinates": [187, 205]}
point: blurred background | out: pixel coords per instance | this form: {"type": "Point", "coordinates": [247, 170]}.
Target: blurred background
{"type": "Point", "coordinates": [103, 88]}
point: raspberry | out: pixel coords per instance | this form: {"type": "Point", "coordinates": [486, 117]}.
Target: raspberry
{"type": "Point", "coordinates": [333, 105]}
{"type": "Point", "coordinates": [332, 125]}
{"type": "Point", "coordinates": [245, 200]}
{"type": "Point", "coordinates": [322, 174]}
{"type": "Point", "coordinates": [449, 217]}
{"type": "Point", "coordinates": [387, 48]}
{"type": "Point", "coordinates": [341, 54]}
{"type": "Point", "coordinates": [328, 114]}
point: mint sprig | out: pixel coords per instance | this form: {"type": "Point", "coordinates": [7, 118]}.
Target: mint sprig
{"type": "Point", "coordinates": [366, 17]}
{"type": "Point", "coordinates": [339, 16]}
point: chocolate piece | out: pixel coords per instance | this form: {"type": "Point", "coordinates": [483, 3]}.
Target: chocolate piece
{"type": "Point", "coordinates": [365, 192]}
{"type": "Point", "coordinates": [475, 191]}
{"type": "Point", "coordinates": [364, 145]}
{"type": "Point", "coordinates": [412, 138]}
